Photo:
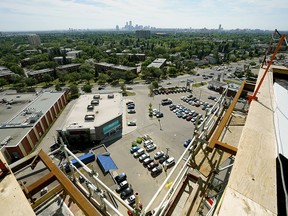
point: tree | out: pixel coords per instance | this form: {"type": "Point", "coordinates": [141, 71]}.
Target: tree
{"type": "Point", "coordinates": [87, 76]}
{"type": "Point", "coordinates": [73, 77]}
{"type": "Point", "coordinates": [15, 78]}
{"type": "Point", "coordinates": [17, 69]}
{"type": "Point", "coordinates": [87, 68]}
{"type": "Point", "coordinates": [87, 88]}
{"type": "Point", "coordinates": [74, 91]}
{"type": "Point", "coordinates": [150, 110]}
{"type": "Point", "coordinates": [155, 84]}
{"type": "Point", "coordinates": [58, 87]}
{"type": "Point", "coordinates": [30, 81]}
{"type": "Point", "coordinates": [102, 78]}
{"type": "Point", "coordinates": [47, 79]}
{"type": "Point", "coordinates": [129, 76]}
{"type": "Point", "coordinates": [151, 92]}
{"type": "Point", "coordinates": [172, 71]}
{"type": "Point", "coordinates": [151, 73]}
{"type": "Point", "coordinates": [3, 82]}
{"type": "Point", "coordinates": [124, 89]}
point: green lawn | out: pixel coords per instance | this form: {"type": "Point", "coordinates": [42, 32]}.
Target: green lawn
{"type": "Point", "coordinates": [232, 81]}
{"type": "Point", "coordinates": [199, 84]}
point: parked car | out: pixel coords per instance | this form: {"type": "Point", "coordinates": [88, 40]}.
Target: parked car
{"type": "Point", "coordinates": [156, 171]}
{"type": "Point", "coordinates": [134, 149]}
{"type": "Point", "coordinates": [167, 101]}
{"type": "Point", "coordinates": [211, 97]}
{"type": "Point", "coordinates": [126, 193]}
{"type": "Point", "coordinates": [138, 153]}
{"type": "Point", "coordinates": [131, 123]}
{"type": "Point", "coordinates": [147, 142]}
{"type": "Point", "coordinates": [122, 186]}
{"type": "Point", "coordinates": [158, 155]}
{"type": "Point", "coordinates": [146, 137]}
{"type": "Point", "coordinates": [189, 118]}
{"type": "Point", "coordinates": [151, 165]}
{"type": "Point", "coordinates": [131, 111]}
{"type": "Point", "coordinates": [169, 162]}
{"type": "Point", "coordinates": [131, 106]}
{"type": "Point", "coordinates": [163, 158]}
{"type": "Point", "coordinates": [130, 200]}
{"type": "Point", "coordinates": [120, 178]}
{"type": "Point", "coordinates": [154, 112]}
{"type": "Point", "coordinates": [187, 142]}
{"type": "Point", "coordinates": [147, 161]}
{"type": "Point", "coordinates": [151, 147]}
{"type": "Point", "coordinates": [143, 157]}
{"type": "Point", "coordinates": [159, 115]}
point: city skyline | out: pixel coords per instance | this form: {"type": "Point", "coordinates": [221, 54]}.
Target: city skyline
{"type": "Point", "coordinates": [35, 15]}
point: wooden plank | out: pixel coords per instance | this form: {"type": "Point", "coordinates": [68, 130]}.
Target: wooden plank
{"type": "Point", "coordinates": [225, 119]}
{"type": "Point", "coordinates": [226, 148]}
{"type": "Point", "coordinates": [41, 183]}
{"type": "Point", "coordinates": [13, 201]}
{"type": "Point", "coordinates": [237, 204]}
{"type": "Point", "coordinates": [47, 196]}
{"type": "Point", "coordinates": [252, 184]}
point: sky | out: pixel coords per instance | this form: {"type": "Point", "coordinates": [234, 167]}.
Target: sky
{"type": "Point", "coordinates": [34, 15]}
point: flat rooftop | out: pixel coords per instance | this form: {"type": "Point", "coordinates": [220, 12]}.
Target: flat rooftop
{"type": "Point", "coordinates": [157, 63]}
{"type": "Point", "coordinates": [68, 66]}
{"type": "Point", "coordinates": [46, 70]}
{"type": "Point", "coordinates": [107, 110]}
{"type": "Point", "coordinates": [19, 124]}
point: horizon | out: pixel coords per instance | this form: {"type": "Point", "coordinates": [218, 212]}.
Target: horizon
{"type": "Point", "coordinates": [56, 15]}
{"type": "Point", "coordinates": [123, 30]}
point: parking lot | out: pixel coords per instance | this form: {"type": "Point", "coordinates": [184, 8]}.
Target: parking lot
{"type": "Point", "coordinates": [168, 133]}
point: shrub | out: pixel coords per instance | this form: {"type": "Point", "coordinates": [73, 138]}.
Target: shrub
{"type": "Point", "coordinates": [139, 140]}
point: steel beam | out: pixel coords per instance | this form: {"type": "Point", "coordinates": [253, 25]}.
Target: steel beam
{"type": "Point", "coordinates": [218, 132]}
{"type": "Point", "coordinates": [84, 204]}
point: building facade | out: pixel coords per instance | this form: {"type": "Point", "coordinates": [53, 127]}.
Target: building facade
{"type": "Point", "coordinates": [93, 118]}
{"type": "Point", "coordinates": [34, 40]}
{"type": "Point", "coordinates": [103, 66]}
{"type": "Point", "coordinates": [19, 135]}
{"type": "Point", "coordinates": [143, 34]}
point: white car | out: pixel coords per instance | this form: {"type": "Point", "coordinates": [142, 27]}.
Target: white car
{"type": "Point", "coordinates": [131, 123]}
{"type": "Point", "coordinates": [151, 147]}
{"type": "Point", "coordinates": [158, 155]}
{"type": "Point", "coordinates": [169, 162]}
{"type": "Point", "coordinates": [148, 142]}
{"type": "Point", "coordinates": [139, 153]}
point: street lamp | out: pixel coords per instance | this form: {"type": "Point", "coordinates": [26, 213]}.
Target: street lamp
{"type": "Point", "coordinates": [159, 123]}
{"type": "Point", "coordinates": [167, 149]}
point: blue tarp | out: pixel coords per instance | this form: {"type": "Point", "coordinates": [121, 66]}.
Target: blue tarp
{"type": "Point", "coordinates": [106, 163]}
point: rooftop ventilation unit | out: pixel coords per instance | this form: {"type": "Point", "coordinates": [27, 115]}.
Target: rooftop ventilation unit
{"type": "Point", "coordinates": [90, 117]}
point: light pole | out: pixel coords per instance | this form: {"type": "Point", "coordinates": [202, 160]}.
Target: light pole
{"type": "Point", "coordinates": [159, 107]}
{"type": "Point", "coordinates": [167, 149]}
{"type": "Point", "coordinates": [159, 123]}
